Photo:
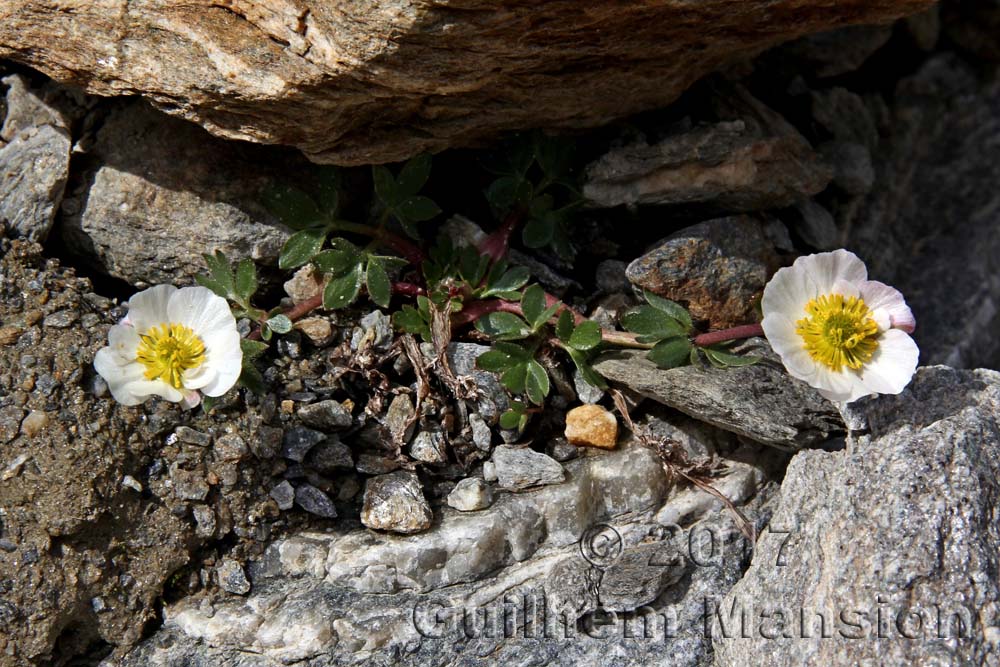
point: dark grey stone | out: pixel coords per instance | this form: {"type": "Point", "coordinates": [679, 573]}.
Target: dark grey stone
{"type": "Point", "coordinates": [520, 468]}
{"type": "Point", "coordinates": [298, 441]}
{"type": "Point", "coordinates": [761, 402]}
{"type": "Point", "coordinates": [326, 415]}
{"type": "Point", "coordinates": [314, 501]}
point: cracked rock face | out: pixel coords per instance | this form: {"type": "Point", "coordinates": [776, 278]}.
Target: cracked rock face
{"type": "Point", "coordinates": [380, 81]}
{"type": "Point", "coordinates": [890, 544]}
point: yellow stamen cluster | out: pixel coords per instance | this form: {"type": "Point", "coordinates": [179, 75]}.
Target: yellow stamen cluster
{"type": "Point", "coordinates": [839, 331]}
{"type": "Point", "coordinates": [168, 350]}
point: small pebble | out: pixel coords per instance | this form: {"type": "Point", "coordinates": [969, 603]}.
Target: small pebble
{"type": "Point", "coordinates": [370, 464]}
{"type": "Point", "coordinates": [429, 447]}
{"type": "Point", "coordinates": [205, 519]}
{"type": "Point", "coordinates": [317, 329]}
{"type": "Point", "coordinates": [284, 495]}
{"type": "Point", "coordinates": [315, 501]}
{"type": "Point", "coordinates": [298, 441]}
{"type": "Point", "coordinates": [232, 578]}
{"type": "Point", "coordinates": [471, 494]}
{"type": "Point", "coordinates": [482, 436]}
{"type": "Point", "coordinates": [328, 415]}
{"type": "Point", "coordinates": [192, 437]}
{"type": "Point", "coordinates": [231, 448]}
{"type": "Point", "coordinates": [132, 483]}
{"type": "Point", "coordinates": [34, 423]}
{"type": "Point", "coordinates": [330, 455]}
{"type": "Point", "coordinates": [60, 320]}
{"type": "Point", "coordinates": [593, 426]}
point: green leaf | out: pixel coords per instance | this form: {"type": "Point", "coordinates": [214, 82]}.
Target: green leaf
{"type": "Point", "coordinates": [536, 383]}
{"type": "Point", "coordinates": [212, 284]}
{"type": "Point", "coordinates": [473, 265]}
{"type": "Point", "coordinates": [671, 352]}
{"type": "Point", "coordinates": [565, 326]}
{"type": "Point", "coordinates": [501, 357]}
{"type": "Point", "coordinates": [511, 281]}
{"type": "Point", "coordinates": [208, 402]}
{"type": "Point", "coordinates": [533, 305]}
{"type": "Point", "coordinates": [408, 319]}
{"type": "Point", "coordinates": [586, 336]}
{"type": "Point", "coordinates": [506, 191]}
{"type": "Point", "coordinates": [417, 209]}
{"type": "Point", "coordinates": [671, 308]}
{"type": "Point", "coordinates": [511, 420]}
{"type": "Point", "coordinates": [292, 206]}
{"type": "Point", "coordinates": [651, 324]}
{"type": "Point", "coordinates": [377, 280]}
{"type": "Point", "coordinates": [514, 378]}
{"type": "Point", "coordinates": [301, 247]}
{"type": "Point", "coordinates": [252, 348]}
{"type": "Point", "coordinates": [251, 378]}
{"type": "Point", "coordinates": [503, 326]}
{"type": "Point", "coordinates": [246, 279]}
{"type": "Point", "coordinates": [726, 359]}
{"type": "Point", "coordinates": [538, 233]}
{"type": "Point", "coordinates": [222, 272]}
{"type": "Point", "coordinates": [343, 290]}
{"type": "Point", "coordinates": [340, 258]}
{"type": "Point", "coordinates": [279, 324]}
{"type": "Point", "coordinates": [385, 185]}
{"type": "Point", "coordinates": [590, 376]}
{"type": "Point", "coordinates": [413, 175]}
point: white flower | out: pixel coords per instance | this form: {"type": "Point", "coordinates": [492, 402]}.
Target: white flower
{"type": "Point", "coordinates": [173, 343]}
{"type": "Point", "coordinates": [838, 331]}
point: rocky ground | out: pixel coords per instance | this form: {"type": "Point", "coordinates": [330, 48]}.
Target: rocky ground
{"type": "Point", "coordinates": [328, 522]}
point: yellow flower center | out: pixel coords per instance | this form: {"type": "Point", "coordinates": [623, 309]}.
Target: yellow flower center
{"type": "Point", "coordinates": [168, 350]}
{"type": "Point", "coordinates": [839, 331]}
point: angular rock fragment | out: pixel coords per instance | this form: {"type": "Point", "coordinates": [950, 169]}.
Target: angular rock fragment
{"type": "Point", "coordinates": [892, 544]}
{"type": "Point", "coordinates": [717, 268]}
{"type": "Point", "coordinates": [471, 494]}
{"type": "Point", "coordinates": [761, 402]}
{"type": "Point", "coordinates": [519, 468]}
{"type": "Point", "coordinates": [395, 502]}
{"type": "Point", "coordinates": [753, 161]}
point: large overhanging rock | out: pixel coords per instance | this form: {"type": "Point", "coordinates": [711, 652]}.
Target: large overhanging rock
{"type": "Point", "coordinates": [375, 81]}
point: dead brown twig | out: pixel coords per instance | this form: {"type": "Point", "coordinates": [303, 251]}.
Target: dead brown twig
{"type": "Point", "coordinates": [675, 462]}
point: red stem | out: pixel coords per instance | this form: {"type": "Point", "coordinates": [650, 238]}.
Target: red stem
{"type": "Point", "coordinates": [473, 311]}
{"type": "Point", "coordinates": [736, 333]}
{"type": "Point", "coordinates": [303, 308]}
{"type": "Point", "coordinates": [408, 289]}
{"type": "Point", "coordinates": [497, 244]}
{"type": "Point", "coordinates": [408, 251]}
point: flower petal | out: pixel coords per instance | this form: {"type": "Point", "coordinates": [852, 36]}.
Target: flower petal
{"type": "Point", "coordinates": [840, 387]}
{"type": "Point", "coordinates": [224, 356]}
{"type": "Point", "coordinates": [888, 301]}
{"type": "Point", "coordinates": [127, 381]}
{"type": "Point", "coordinates": [123, 341]}
{"type": "Point", "coordinates": [190, 400]}
{"type": "Point", "coordinates": [893, 365]}
{"type": "Point", "coordinates": [780, 332]}
{"type": "Point", "coordinates": [196, 378]}
{"type": "Point", "coordinates": [148, 308]}
{"type": "Point", "coordinates": [788, 292]}
{"type": "Point", "coordinates": [827, 268]}
{"type": "Point", "coordinates": [201, 309]}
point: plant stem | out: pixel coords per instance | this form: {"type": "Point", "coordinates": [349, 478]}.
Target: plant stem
{"type": "Point", "coordinates": [478, 309]}
{"type": "Point", "coordinates": [300, 310]}
{"type": "Point", "coordinates": [404, 248]}
{"type": "Point", "coordinates": [497, 244]}
{"type": "Point", "coordinates": [723, 335]}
